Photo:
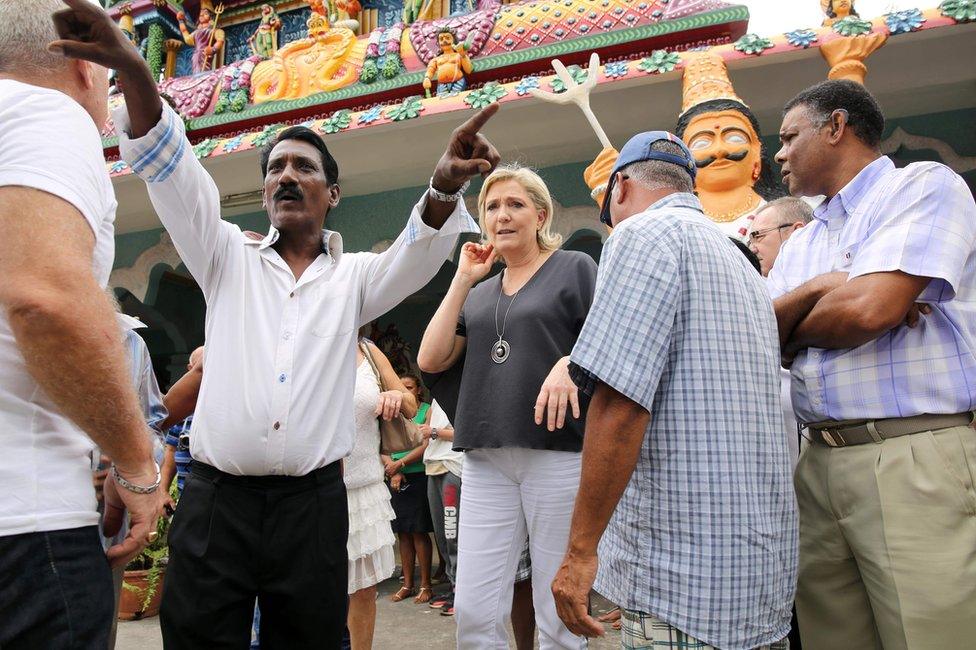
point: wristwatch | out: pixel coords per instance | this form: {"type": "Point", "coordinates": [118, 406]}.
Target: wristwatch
{"type": "Point", "coordinates": [444, 196]}
{"type": "Point", "coordinates": [433, 433]}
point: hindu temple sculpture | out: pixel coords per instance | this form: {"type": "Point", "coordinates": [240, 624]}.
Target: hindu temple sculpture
{"type": "Point", "coordinates": [836, 10]}
{"type": "Point", "coordinates": [207, 40]}
{"type": "Point", "coordinates": [256, 51]}
{"type": "Point", "coordinates": [449, 68]}
{"type": "Point", "coordinates": [329, 58]}
{"type": "Point", "coordinates": [856, 42]}
{"type": "Point", "coordinates": [734, 179]}
{"type": "Point", "coordinates": [264, 42]}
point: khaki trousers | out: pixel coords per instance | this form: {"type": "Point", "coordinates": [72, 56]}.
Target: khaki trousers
{"type": "Point", "coordinates": [888, 543]}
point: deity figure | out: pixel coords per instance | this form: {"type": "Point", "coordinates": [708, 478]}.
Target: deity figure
{"type": "Point", "coordinates": [206, 40]}
{"type": "Point", "coordinates": [837, 10]}
{"type": "Point", "coordinates": [846, 55]}
{"type": "Point", "coordinates": [734, 177]}
{"type": "Point", "coordinates": [328, 59]}
{"type": "Point", "coordinates": [450, 67]}
{"type": "Point", "coordinates": [264, 42]}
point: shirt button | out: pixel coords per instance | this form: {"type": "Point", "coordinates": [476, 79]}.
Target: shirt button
{"type": "Point", "coordinates": [287, 336]}
{"type": "Point", "coordinates": [277, 425]}
{"type": "Point", "coordinates": [281, 378]}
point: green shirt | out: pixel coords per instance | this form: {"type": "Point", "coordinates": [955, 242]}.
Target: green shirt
{"type": "Point", "coordinates": [413, 468]}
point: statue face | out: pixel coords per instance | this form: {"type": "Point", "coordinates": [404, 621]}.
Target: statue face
{"type": "Point", "coordinates": [204, 18]}
{"type": "Point", "coordinates": [842, 8]}
{"type": "Point", "coordinates": [445, 40]}
{"type": "Point", "coordinates": [726, 150]}
{"type": "Point", "coordinates": [266, 9]}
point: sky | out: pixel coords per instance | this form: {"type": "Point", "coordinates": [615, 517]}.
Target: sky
{"type": "Point", "coordinates": [771, 17]}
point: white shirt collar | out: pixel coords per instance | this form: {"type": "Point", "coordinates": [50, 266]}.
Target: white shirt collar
{"type": "Point", "coordinates": [331, 242]}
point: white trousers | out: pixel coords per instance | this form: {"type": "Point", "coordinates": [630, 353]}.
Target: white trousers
{"type": "Point", "coordinates": [508, 494]}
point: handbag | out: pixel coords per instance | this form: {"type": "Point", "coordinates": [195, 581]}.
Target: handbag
{"type": "Point", "coordinates": [398, 434]}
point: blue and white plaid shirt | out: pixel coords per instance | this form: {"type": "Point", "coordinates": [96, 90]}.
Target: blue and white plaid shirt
{"type": "Point", "coordinates": [705, 535]}
{"type": "Point", "coordinates": [920, 220]}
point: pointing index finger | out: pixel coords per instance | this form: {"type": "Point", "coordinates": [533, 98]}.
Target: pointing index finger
{"type": "Point", "coordinates": [477, 121]}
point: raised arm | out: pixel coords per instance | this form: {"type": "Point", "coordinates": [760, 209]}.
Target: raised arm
{"type": "Point", "coordinates": [434, 225]}
{"type": "Point", "coordinates": [152, 140]}
{"type": "Point", "coordinates": [441, 346]}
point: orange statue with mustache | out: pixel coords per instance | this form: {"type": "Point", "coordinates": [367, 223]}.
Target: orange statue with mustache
{"type": "Point", "coordinates": [734, 179]}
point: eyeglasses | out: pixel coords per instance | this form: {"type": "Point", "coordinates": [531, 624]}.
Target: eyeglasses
{"type": "Point", "coordinates": [757, 235]}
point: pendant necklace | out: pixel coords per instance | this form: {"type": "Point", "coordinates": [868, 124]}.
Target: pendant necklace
{"type": "Point", "coordinates": [501, 348]}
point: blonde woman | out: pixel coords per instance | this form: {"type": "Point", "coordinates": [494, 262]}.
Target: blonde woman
{"type": "Point", "coordinates": [519, 416]}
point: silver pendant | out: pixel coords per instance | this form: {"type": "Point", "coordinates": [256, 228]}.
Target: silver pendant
{"type": "Point", "coordinates": [499, 352]}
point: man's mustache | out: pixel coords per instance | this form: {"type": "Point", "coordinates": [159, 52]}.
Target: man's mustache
{"type": "Point", "coordinates": [288, 193]}
{"type": "Point", "coordinates": [735, 155]}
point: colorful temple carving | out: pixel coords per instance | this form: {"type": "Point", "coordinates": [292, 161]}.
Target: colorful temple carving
{"type": "Point", "coordinates": [353, 71]}
{"type": "Point", "coordinates": [320, 46]}
{"type": "Point", "coordinates": [242, 66]}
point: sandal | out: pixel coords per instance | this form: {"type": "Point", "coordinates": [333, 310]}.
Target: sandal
{"type": "Point", "coordinates": [402, 594]}
{"type": "Point", "coordinates": [426, 593]}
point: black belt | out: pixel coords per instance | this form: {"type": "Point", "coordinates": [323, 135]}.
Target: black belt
{"type": "Point", "coordinates": [321, 476]}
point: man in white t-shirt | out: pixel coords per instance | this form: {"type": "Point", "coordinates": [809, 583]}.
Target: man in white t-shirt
{"type": "Point", "coordinates": [64, 373]}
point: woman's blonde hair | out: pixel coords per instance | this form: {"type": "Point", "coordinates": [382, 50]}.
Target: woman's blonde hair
{"type": "Point", "coordinates": [536, 188]}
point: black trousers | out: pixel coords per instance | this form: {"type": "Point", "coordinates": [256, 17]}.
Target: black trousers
{"type": "Point", "coordinates": [281, 539]}
{"type": "Point", "coordinates": [55, 591]}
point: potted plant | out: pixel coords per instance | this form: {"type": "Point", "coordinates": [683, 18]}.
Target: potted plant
{"type": "Point", "coordinates": [142, 584]}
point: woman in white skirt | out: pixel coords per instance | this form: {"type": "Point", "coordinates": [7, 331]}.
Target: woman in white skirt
{"type": "Point", "coordinates": [371, 540]}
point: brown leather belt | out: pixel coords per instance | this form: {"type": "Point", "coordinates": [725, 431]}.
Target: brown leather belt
{"type": "Point", "coordinates": [847, 433]}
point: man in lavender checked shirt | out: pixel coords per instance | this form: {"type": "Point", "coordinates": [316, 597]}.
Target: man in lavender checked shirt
{"type": "Point", "coordinates": [263, 513]}
{"type": "Point", "coordinates": [876, 305]}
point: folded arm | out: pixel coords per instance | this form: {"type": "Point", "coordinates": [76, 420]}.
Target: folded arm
{"type": "Point", "coordinates": [858, 311]}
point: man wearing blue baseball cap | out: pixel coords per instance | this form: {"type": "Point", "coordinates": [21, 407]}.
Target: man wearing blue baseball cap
{"type": "Point", "coordinates": [686, 475]}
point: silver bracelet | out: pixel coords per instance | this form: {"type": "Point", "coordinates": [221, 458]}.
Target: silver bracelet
{"type": "Point", "coordinates": [445, 197]}
{"type": "Point", "coordinates": [132, 487]}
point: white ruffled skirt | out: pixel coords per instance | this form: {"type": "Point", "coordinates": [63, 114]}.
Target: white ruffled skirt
{"type": "Point", "coordinates": [371, 539]}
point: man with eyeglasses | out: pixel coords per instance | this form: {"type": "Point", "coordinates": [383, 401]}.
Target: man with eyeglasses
{"type": "Point", "coordinates": [773, 225]}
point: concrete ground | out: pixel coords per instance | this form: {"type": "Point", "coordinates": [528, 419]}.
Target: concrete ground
{"type": "Point", "coordinates": [400, 626]}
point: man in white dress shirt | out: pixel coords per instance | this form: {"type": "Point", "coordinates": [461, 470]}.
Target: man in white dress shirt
{"type": "Point", "coordinates": [64, 381]}
{"type": "Point", "coordinates": [264, 511]}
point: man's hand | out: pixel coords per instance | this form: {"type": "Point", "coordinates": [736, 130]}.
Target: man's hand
{"type": "Point", "coordinates": [144, 512]}
{"type": "Point", "coordinates": [388, 405]}
{"type": "Point", "coordinates": [915, 313]}
{"type": "Point", "coordinates": [86, 31]}
{"type": "Point", "coordinates": [571, 589]}
{"type": "Point", "coordinates": [558, 392]}
{"type": "Point", "coordinates": [468, 153]}
{"type": "Point", "coordinates": [166, 503]}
